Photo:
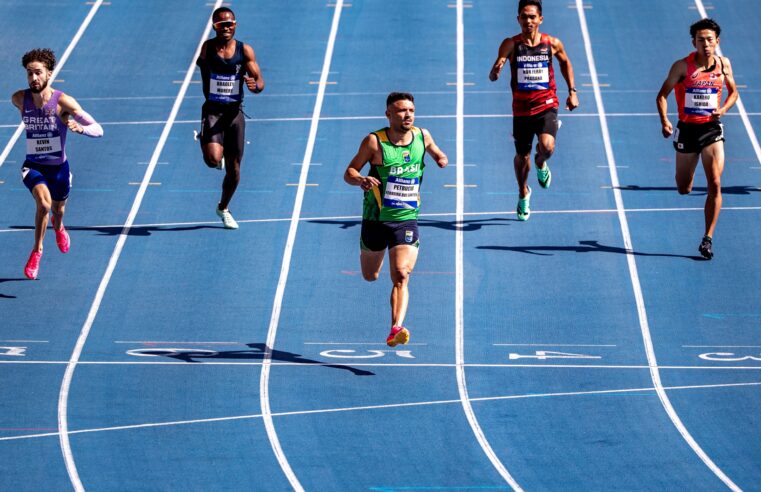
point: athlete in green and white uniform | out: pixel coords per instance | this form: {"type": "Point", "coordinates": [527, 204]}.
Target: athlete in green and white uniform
{"type": "Point", "coordinates": [392, 200]}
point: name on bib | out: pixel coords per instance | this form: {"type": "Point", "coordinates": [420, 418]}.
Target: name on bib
{"type": "Point", "coordinates": [224, 88]}
{"type": "Point", "coordinates": [402, 193]}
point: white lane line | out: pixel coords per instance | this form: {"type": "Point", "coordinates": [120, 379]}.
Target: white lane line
{"type": "Point", "coordinates": [382, 118]}
{"type": "Point", "coordinates": [374, 407]}
{"type": "Point", "coordinates": [459, 269]}
{"type": "Point", "coordinates": [423, 215]}
{"type": "Point", "coordinates": [722, 346]}
{"type": "Point", "coordinates": [740, 105]}
{"type": "Point", "coordinates": [56, 71]}
{"type": "Point", "coordinates": [358, 343]}
{"type": "Point", "coordinates": [198, 363]}
{"type": "Point", "coordinates": [287, 253]}
{"type": "Point", "coordinates": [63, 396]}
{"type": "Point", "coordinates": [633, 273]}
{"type": "Point", "coordinates": [147, 342]}
{"type": "Point", "coordinates": [548, 345]}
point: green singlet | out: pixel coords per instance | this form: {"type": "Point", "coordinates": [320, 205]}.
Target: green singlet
{"type": "Point", "coordinates": [401, 175]}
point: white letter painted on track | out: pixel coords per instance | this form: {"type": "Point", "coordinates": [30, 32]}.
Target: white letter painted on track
{"type": "Point", "coordinates": [13, 351]}
{"type": "Point", "coordinates": [546, 354]}
{"type": "Point", "coordinates": [373, 354]}
{"type": "Point", "coordinates": [727, 357]}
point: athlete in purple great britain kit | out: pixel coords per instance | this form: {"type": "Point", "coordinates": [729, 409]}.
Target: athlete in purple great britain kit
{"type": "Point", "coordinates": [47, 115]}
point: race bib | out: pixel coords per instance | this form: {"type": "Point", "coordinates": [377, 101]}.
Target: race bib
{"type": "Point", "coordinates": [39, 145]}
{"type": "Point", "coordinates": [533, 76]}
{"type": "Point", "coordinates": [701, 101]}
{"type": "Point", "coordinates": [402, 193]}
{"type": "Point", "coordinates": [224, 88]}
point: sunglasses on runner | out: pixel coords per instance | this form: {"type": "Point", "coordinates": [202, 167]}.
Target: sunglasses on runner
{"type": "Point", "coordinates": [223, 24]}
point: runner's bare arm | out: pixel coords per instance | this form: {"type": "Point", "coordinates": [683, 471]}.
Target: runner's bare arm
{"type": "Point", "coordinates": [254, 79]}
{"type": "Point", "coordinates": [732, 94]}
{"type": "Point", "coordinates": [202, 55]}
{"type": "Point", "coordinates": [77, 119]}
{"type": "Point", "coordinates": [18, 100]}
{"type": "Point", "coordinates": [505, 50]}
{"type": "Point", "coordinates": [678, 72]}
{"type": "Point", "coordinates": [434, 151]}
{"type": "Point", "coordinates": [566, 68]}
{"type": "Point", "coordinates": [368, 149]}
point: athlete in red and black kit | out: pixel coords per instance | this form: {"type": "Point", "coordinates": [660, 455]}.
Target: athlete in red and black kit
{"type": "Point", "coordinates": [698, 81]}
{"type": "Point", "coordinates": [535, 101]}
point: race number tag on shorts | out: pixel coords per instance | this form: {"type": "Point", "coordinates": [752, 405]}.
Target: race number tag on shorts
{"type": "Point", "coordinates": [44, 144]}
{"type": "Point", "coordinates": [701, 101]}
{"type": "Point", "coordinates": [533, 76]}
{"type": "Point", "coordinates": [224, 88]}
{"type": "Point", "coordinates": [401, 192]}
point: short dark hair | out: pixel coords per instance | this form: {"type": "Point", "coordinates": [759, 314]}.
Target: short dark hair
{"type": "Point", "coordinates": [526, 3]}
{"type": "Point", "coordinates": [399, 96]}
{"type": "Point", "coordinates": [709, 24]}
{"type": "Point", "coordinates": [42, 55]}
{"type": "Point", "coordinates": [222, 10]}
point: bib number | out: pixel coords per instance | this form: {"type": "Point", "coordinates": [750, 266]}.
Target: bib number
{"type": "Point", "coordinates": [402, 193]}
{"type": "Point", "coordinates": [533, 76]}
{"type": "Point", "coordinates": [701, 101]}
{"type": "Point", "coordinates": [43, 145]}
{"type": "Point", "coordinates": [224, 88]}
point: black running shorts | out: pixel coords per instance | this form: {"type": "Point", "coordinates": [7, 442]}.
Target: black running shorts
{"type": "Point", "coordinates": [525, 127]}
{"type": "Point", "coordinates": [692, 138]}
{"type": "Point", "coordinates": [377, 236]}
{"type": "Point", "coordinates": [225, 126]}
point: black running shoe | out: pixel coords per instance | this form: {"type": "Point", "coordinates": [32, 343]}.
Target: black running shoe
{"type": "Point", "coordinates": [705, 248]}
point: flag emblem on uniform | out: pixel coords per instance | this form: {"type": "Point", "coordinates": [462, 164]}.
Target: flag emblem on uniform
{"type": "Point", "coordinates": [408, 235]}
{"type": "Point", "coordinates": [406, 157]}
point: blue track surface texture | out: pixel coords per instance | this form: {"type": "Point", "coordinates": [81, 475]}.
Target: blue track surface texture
{"type": "Point", "coordinates": [167, 353]}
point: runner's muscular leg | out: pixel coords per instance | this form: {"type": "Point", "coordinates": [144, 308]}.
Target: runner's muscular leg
{"type": "Point", "coordinates": [58, 209]}
{"type": "Point", "coordinates": [402, 259]}
{"type": "Point", "coordinates": [713, 163]}
{"type": "Point", "coordinates": [42, 198]}
{"type": "Point", "coordinates": [522, 165]}
{"type": "Point", "coordinates": [685, 171]}
{"type": "Point", "coordinates": [371, 263]}
{"type": "Point", "coordinates": [232, 178]}
{"type": "Point", "coordinates": [212, 153]}
{"type": "Point", "coordinates": [545, 147]}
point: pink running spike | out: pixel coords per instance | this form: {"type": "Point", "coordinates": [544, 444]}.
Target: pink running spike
{"type": "Point", "coordinates": [62, 239]}
{"type": "Point", "coordinates": [32, 267]}
{"type": "Point", "coordinates": [399, 334]}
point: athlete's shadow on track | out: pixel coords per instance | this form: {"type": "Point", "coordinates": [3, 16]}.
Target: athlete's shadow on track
{"type": "Point", "coordinates": [139, 231]}
{"type": "Point", "coordinates": [697, 190]}
{"type": "Point", "coordinates": [256, 353]}
{"type": "Point", "coordinates": [2, 280]}
{"type": "Point", "coordinates": [584, 247]}
{"type": "Point", "coordinates": [447, 225]}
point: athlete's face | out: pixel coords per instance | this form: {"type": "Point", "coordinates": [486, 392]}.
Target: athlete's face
{"type": "Point", "coordinates": [705, 41]}
{"type": "Point", "coordinates": [224, 25]}
{"type": "Point", "coordinates": [37, 75]}
{"type": "Point", "coordinates": [401, 115]}
{"type": "Point", "coordinates": [529, 19]}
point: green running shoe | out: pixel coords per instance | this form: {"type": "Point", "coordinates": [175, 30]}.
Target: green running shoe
{"type": "Point", "coordinates": [523, 206]}
{"type": "Point", "coordinates": [544, 175]}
